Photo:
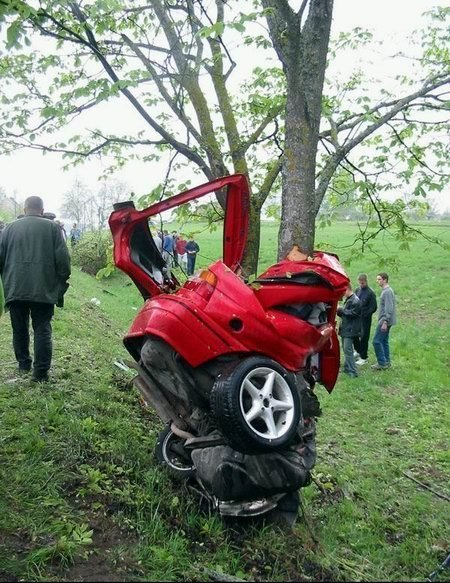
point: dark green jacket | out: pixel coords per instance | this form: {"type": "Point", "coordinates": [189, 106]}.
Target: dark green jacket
{"type": "Point", "coordinates": [2, 299]}
{"type": "Point", "coordinates": [34, 261]}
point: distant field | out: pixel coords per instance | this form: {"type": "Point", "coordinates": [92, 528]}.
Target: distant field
{"type": "Point", "coordinates": [82, 499]}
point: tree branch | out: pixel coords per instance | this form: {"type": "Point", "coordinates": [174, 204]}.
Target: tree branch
{"type": "Point", "coordinates": [165, 94]}
{"type": "Point", "coordinates": [259, 130]}
{"type": "Point", "coordinates": [333, 162]}
{"type": "Point", "coordinates": [180, 147]}
{"type": "Point", "coordinates": [346, 124]}
{"type": "Point", "coordinates": [271, 176]}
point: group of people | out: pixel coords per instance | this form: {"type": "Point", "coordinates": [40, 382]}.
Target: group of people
{"type": "Point", "coordinates": [176, 250]}
{"type": "Point", "coordinates": [356, 321]}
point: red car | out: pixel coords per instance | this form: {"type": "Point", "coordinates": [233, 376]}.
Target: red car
{"type": "Point", "coordinates": [221, 359]}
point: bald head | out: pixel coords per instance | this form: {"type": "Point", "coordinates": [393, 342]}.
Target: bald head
{"type": "Point", "coordinates": [34, 205]}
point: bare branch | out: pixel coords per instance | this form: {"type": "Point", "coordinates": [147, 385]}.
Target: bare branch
{"type": "Point", "coordinates": [253, 139]}
{"type": "Point", "coordinates": [165, 94]}
{"type": "Point", "coordinates": [182, 148]}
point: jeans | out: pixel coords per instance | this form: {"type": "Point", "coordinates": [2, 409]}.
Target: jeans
{"type": "Point", "coordinates": [41, 315]}
{"type": "Point", "coordinates": [381, 345]}
{"type": "Point", "coordinates": [361, 344]}
{"type": "Point", "coordinates": [191, 263]}
{"type": "Point", "coordinates": [168, 258]}
{"type": "Point", "coordinates": [349, 359]}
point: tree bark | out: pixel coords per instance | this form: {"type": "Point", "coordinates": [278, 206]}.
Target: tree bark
{"type": "Point", "coordinates": [302, 48]}
{"type": "Point", "coordinates": [251, 253]}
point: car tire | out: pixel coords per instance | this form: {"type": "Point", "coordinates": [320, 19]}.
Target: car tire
{"type": "Point", "coordinates": [169, 451]}
{"type": "Point", "coordinates": [256, 405]}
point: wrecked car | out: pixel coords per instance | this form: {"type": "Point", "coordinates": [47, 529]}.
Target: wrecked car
{"type": "Point", "coordinates": [230, 366]}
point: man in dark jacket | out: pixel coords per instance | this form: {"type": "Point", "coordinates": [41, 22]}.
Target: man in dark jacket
{"type": "Point", "coordinates": [368, 308]}
{"type": "Point", "coordinates": [192, 248]}
{"type": "Point", "coordinates": [34, 267]}
{"type": "Point", "coordinates": [350, 328]}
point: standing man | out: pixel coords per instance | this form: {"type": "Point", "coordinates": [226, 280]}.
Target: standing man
{"type": "Point", "coordinates": [2, 298]}
{"type": "Point", "coordinates": [180, 248]}
{"type": "Point", "coordinates": [167, 254]}
{"type": "Point", "coordinates": [74, 235]}
{"type": "Point", "coordinates": [368, 308]}
{"type": "Point", "coordinates": [35, 267]}
{"type": "Point", "coordinates": [192, 249]}
{"type": "Point", "coordinates": [350, 328]}
{"type": "Point", "coordinates": [175, 253]}
{"type": "Point", "coordinates": [387, 317]}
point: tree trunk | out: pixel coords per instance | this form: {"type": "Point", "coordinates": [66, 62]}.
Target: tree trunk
{"type": "Point", "coordinates": [298, 175]}
{"type": "Point", "coordinates": [250, 259]}
{"type": "Point", "coordinates": [302, 48]}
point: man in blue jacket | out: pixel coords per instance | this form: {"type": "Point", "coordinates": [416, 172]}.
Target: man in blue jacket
{"type": "Point", "coordinates": [34, 267]}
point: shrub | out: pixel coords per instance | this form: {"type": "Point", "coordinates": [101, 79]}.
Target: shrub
{"type": "Point", "coordinates": [92, 250]}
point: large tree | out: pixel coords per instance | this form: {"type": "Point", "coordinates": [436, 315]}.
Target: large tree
{"type": "Point", "coordinates": [173, 64]}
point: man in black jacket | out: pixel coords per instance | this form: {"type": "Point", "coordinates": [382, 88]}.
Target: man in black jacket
{"type": "Point", "coordinates": [368, 308]}
{"type": "Point", "coordinates": [34, 267]}
{"type": "Point", "coordinates": [350, 328]}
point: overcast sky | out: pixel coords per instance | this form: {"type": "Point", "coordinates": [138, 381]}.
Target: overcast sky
{"type": "Point", "coordinates": [29, 172]}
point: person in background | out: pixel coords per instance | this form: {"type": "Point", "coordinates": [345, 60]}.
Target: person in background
{"type": "Point", "coordinates": [2, 298]}
{"type": "Point", "coordinates": [192, 249]}
{"type": "Point", "coordinates": [157, 240]}
{"type": "Point", "coordinates": [74, 235]}
{"type": "Point", "coordinates": [174, 253]}
{"type": "Point", "coordinates": [387, 317]}
{"type": "Point", "coordinates": [167, 253]}
{"type": "Point", "coordinates": [350, 328]}
{"type": "Point", "coordinates": [181, 251]}
{"type": "Point", "coordinates": [34, 267]}
{"type": "Point", "coordinates": [368, 307]}
{"type": "Point", "coordinates": [63, 230]}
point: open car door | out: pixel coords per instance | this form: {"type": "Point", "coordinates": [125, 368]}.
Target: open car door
{"type": "Point", "coordinates": [135, 252]}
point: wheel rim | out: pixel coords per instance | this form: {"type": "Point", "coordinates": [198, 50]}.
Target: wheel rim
{"type": "Point", "coordinates": [171, 457]}
{"type": "Point", "coordinates": [267, 403]}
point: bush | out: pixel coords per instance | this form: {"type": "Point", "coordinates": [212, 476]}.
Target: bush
{"type": "Point", "coordinates": [92, 250]}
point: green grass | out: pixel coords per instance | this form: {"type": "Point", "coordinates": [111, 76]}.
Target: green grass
{"type": "Point", "coordinates": [82, 498]}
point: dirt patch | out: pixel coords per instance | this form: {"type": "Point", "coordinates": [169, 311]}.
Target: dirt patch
{"type": "Point", "coordinates": [100, 565]}
{"type": "Point", "coordinates": [4, 576]}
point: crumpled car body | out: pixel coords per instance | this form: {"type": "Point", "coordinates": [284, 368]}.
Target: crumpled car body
{"type": "Point", "coordinates": [218, 313]}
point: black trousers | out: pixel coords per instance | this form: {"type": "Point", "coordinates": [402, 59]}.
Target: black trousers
{"type": "Point", "coordinates": [361, 344]}
{"type": "Point", "coordinates": [41, 315]}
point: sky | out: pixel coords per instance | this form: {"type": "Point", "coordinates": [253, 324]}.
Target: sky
{"type": "Point", "coordinates": [29, 172]}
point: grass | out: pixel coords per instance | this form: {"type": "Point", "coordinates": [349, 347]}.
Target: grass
{"type": "Point", "coordinates": [81, 497]}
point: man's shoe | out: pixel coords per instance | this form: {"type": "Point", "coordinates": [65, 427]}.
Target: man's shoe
{"type": "Point", "coordinates": [356, 354]}
{"type": "Point", "coordinates": [380, 366]}
{"type": "Point", "coordinates": [23, 371]}
{"type": "Point", "coordinates": [361, 361]}
{"type": "Point", "coordinates": [40, 378]}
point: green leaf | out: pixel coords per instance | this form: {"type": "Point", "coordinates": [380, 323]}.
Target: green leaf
{"type": "Point", "coordinates": [12, 34]}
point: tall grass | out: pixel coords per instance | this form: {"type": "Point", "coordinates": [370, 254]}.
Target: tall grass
{"type": "Point", "coordinates": [81, 497]}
